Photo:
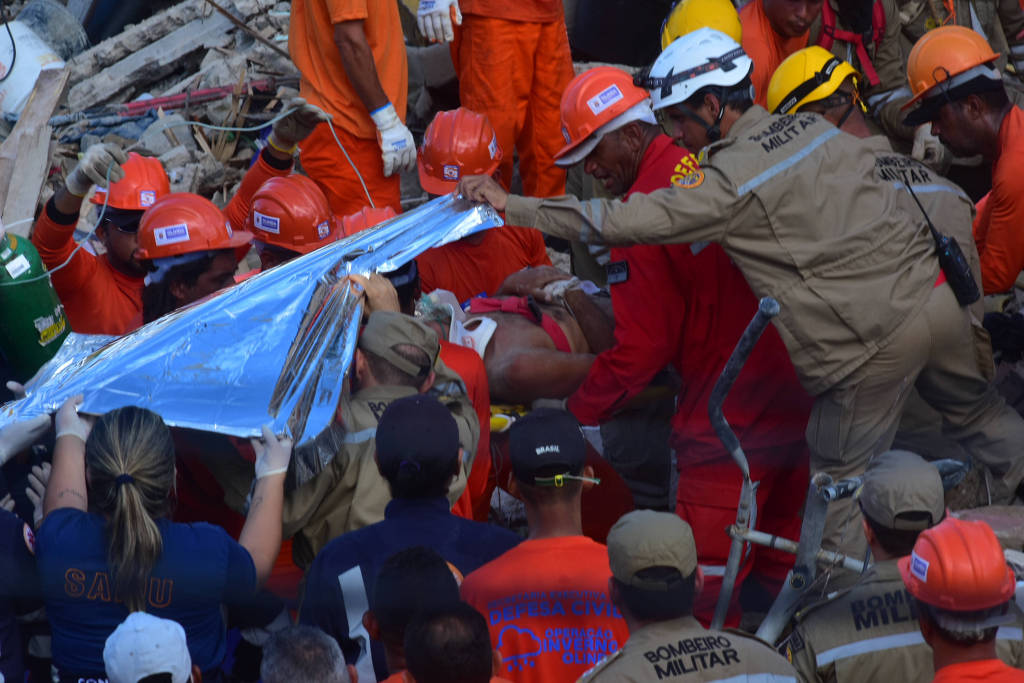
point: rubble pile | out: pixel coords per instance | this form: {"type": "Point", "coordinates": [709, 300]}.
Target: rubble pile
{"type": "Point", "coordinates": [223, 63]}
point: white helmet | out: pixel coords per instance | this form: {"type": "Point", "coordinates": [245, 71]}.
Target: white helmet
{"type": "Point", "coordinates": [694, 61]}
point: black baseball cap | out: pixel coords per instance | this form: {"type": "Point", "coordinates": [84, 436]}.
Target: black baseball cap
{"type": "Point", "coordinates": [418, 432]}
{"type": "Point", "coordinates": [546, 447]}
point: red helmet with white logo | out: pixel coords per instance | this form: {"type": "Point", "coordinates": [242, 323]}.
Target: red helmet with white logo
{"type": "Point", "coordinates": [457, 143]}
{"type": "Point", "coordinates": [291, 212]}
{"type": "Point", "coordinates": [182, 223]}
{"type": "Point", "coordinates": [144, 182]}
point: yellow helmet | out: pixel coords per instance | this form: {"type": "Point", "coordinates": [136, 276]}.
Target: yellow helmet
{"type": "Point", "coordinates": [806, 76]}
{"type": "Point", "coordinates": [687, 16]}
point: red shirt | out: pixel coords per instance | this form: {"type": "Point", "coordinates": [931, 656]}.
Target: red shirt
{"type": "Point", "coordinates": [475, 502]}
{"type": "Point", "coordinates": [547, 607]}
{"type": "Point", "coordinates": [472, 269]}
{"type": "Point", "coordinates": [97, 298]}
{"type": "Point", "coordinates": [988, 670]}
{"type": "Point", "coordinates": [689, 310]}
{"type": "Point", "coordinates": [997, 226]}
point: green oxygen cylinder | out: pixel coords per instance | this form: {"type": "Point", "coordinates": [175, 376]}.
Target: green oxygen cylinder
{"type": "Point", "coordinates": [32, 320]}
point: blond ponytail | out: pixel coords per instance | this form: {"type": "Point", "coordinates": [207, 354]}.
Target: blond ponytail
{"type": "Point", "coordinates": [130, 455]}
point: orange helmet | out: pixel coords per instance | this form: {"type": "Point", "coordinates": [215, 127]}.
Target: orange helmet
{"type": "Point", "coordinates": [592, 100]}
{"type": "Point", "coordinates": [365, 218]}
{"type": "Point", "coordinates": [291, 212]}
{"type": "Point", "coordinates": [942, 55]}
{"type": "Point", "coordinates": [144, 182]}
{"type": "Point", "coordinates": [182, 223]}
{"type": "Point", "coordinates": [457, 143]}
{"type": "Point", "coordinates": [958, 566]}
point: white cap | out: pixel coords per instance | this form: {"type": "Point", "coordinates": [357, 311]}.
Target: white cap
{"type": "Point", "coordinates": [143, 645]}
{"type": "Point", "coordinates": [641, 111]}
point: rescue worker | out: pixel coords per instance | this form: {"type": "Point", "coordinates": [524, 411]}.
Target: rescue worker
{"type": "Point", "coordinates": [969, 110]}
{"type": "Point", "coordinates": [396, 356]}
{"type": "Point", "coordinates": [867, 36]}
{"type": "Point", "coordinates": [964, 591]}
{"type": "Point", "coordinates": [701, 307]}
{"type": "Point", "coordinates": [289, 217]}
{"type": "Point", "coordinates": [869, 631]}
{"type": "Point", "coordinates": [773, 30]}
{"type": "Point", "coordinates": [462, 142]}
{"type": "Point", "coordinates": [351, 54]}
{"type": "Point", "coordinates": [513, 62]}
{"type": "Point", "coordinates": [689, 15]}
{"type": "Point", "coordinates": [548, 455]}
{"type": "Point", "coordinates": [814, 80]}
{"type": "Point", "coordinates": [655, 581]}
{"type": "Point", "coordinates": [103, 295]}
{"type": "Point", "coordinates": [865, 308]}
{"type": "Point", "coordinates": [192, 249]}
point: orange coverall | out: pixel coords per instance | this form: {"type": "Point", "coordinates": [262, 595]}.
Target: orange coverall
{"type": "Point", "coordinates": [325, 84]}
{"type": "Point", "coordinates": [1000, 213]}
{"type": "Point", "coordinates": [765, 47]}
{"type": "Point", "coordinates": [513, 63]}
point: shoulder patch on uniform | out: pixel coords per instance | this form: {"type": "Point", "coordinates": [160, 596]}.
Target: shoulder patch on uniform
{"type": "Point", "coordinates": [597, 668]}
{"type": "Point", "coordinates": [791, 645]}
{"type": "Point", "coordinates": [690, 180]}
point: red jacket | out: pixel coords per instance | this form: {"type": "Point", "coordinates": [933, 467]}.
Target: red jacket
{"type": "Point", "coordinates": [689, 309]}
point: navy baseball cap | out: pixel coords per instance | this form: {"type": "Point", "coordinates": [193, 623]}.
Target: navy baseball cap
{"type": "Point", "coordinates": [547, 447]}
{"type": "Point", "coordinates": [419, 432]}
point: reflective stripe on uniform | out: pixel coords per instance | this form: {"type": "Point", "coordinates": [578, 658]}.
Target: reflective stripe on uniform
{"type": "Point", "coordinates": [756, 678]}
{"type": "Point", "coordinates": [353, 592]}
{"type": "Point", "coordinates": [862, 647]}
{"type": "Point", "coordinates": [360, 436]}
{"type": "Point", "coordinates": [772, 171]}
{"type": "Point", "coordinates": [929, 189]}
{"type": "Point", "coordinates": [713, 569]}
{"type": "Point", "coordinates": [870, 645]}
{"type": "Point", "coordinates": [587, 232]}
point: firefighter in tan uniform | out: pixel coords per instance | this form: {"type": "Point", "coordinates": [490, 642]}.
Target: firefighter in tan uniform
{"type": "Point", "coordinates": [823, 222]}
{"type": "Point", "coordinates": [654, 582]}
{"type": "Point", "coordinates": [397, 356]}
{"type": "Point", "coordinates": [869, 631]}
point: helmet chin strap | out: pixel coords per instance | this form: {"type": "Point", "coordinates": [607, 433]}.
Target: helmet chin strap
{"type": "Point", "coordinates": [713, 131]}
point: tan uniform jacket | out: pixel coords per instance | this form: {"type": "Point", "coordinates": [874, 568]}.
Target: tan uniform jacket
{"type": "Point", "coordinates": [683, 650]}
{"type": "Point", "coordinates": [350, 493]}
{"type": "Point", "coordinates": [809, 214]}
{"type": "Point", "coordinates": [869, 632]}
{"type": "Point", "coordinates": [888, 59]}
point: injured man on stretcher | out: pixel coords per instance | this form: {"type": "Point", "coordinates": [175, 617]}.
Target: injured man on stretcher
{"type": "Point", "coordinates": [538, 335]}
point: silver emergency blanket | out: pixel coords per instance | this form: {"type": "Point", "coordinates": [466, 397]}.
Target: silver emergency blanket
{"type": "Point", "coordinates": [274, 349]}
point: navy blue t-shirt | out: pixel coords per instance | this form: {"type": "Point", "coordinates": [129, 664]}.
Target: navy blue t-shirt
{"type": "Point", "coordinates": [332, 590]}
{"type": "Point", "coordinates": [18, 579]}
{"type": "Point", "coordinates": [200, 568]}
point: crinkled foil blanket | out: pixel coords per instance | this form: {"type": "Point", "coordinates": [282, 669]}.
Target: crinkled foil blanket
{"type": "Point", "coordinates": [274, 349]}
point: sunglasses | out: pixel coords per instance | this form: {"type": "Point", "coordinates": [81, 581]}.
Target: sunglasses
{"type": "Point", "coordinates": [130, 229]}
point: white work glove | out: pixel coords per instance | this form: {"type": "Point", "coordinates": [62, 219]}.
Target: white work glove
{"type": "Point", "coordinates": [17, 437]}
{"type": "Point", "coordinates": [272, 454]}
{"type": "Point", "coordinates": [296, 127]}
{"type": "Point", "coordinates": [7, 503]}
{"type": "Point", "coordinates": [928, 149]}
{"type": "Point", "coordinates": [92, 168]}
{"type": "Point", "coordinates": [70, 423]}
{"type": "Point", "coordinates": [396, 145]}
{"type": "Point", "coordinates": [37, 480]}
{"type": "Point", "coordinates": [16, 388]}
{"type": "Point", "coordinates": [434, 19]}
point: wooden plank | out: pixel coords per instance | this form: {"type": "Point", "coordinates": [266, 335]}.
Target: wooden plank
{"type": "Point", "coordinates": [151, 62]}
{"type": "Point", "coordinates": [132, 38]}
{"type": "Point", "coordinates": [27, 149]}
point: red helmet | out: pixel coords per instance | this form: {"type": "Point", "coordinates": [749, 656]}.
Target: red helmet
{"type": "Point", "coordinates": [366, 217]}
{"type": "Point", "coordinates": [144, 182]}
{"type": "Point", "coordinates": [182, 223]}
{"type": "Point", "coordinates": [591, 100]}
{"type": "Point", "coordinates": [457, 143]}
{"type": "Point", "coordinates": [291, 212]}
{"type": "Point", "coordinates": [958, 566]}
